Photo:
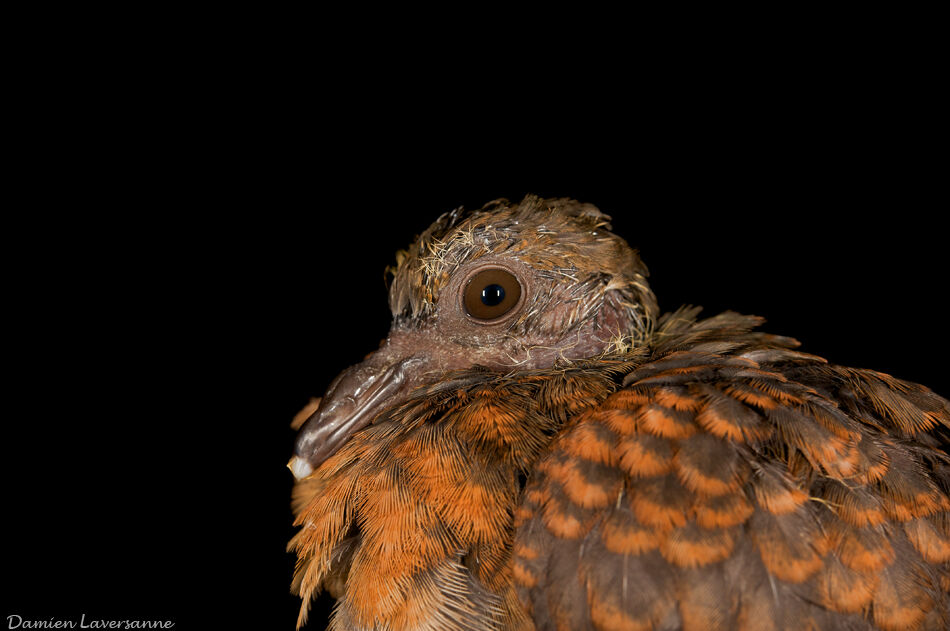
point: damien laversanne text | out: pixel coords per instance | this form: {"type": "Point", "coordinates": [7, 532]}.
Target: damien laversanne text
{"type": "Point", "coordinates": [15, 621]}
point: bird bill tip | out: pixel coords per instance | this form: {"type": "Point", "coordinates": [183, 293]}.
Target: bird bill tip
{"type": "Point", "coordinates": [299, 467]}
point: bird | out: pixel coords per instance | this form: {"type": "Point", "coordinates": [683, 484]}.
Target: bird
{"type": "Point", "coordinates": [536, 446]}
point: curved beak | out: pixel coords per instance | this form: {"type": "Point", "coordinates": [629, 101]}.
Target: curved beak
{"type": "Point", "coordinates": [351, 403]}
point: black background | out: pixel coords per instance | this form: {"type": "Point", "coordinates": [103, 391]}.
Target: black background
{"type": "Point", "coordinates": [179, 289]}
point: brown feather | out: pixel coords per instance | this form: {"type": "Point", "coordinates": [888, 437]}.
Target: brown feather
{"type": "Point", "coordinates": [591, 464]}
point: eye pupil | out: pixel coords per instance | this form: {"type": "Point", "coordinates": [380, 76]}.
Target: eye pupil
{"type": "Point", "coordinates": [493, 295]}
{"type": "Point", "coordinates": [490, 293]}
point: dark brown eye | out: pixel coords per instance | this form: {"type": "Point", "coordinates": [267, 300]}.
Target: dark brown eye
{"type": "Point", "coordinates": [491, 293]}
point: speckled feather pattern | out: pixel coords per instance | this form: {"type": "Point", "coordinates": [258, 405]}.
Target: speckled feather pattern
{"type": "Point", "coordinates": [734, 483]}
{"type": "Point", "coordinates": [700, 474]}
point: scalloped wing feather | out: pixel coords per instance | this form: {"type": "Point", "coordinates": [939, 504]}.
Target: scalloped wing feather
{"type": "Point", "coordinates": [734, 483]}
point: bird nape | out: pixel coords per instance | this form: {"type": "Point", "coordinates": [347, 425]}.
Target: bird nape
{"type": "Point", "coordinates": [535, 446]}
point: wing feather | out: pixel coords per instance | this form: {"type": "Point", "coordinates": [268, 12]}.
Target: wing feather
{"type": "Point", "coordinates": [731, 486]}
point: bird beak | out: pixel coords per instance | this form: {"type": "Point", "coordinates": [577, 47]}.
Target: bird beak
{"type": "Point", "coordinates": [351, 403]}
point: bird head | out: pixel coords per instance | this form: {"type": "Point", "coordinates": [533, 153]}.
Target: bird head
{"type": "Point", "coordinates": [507, 287]}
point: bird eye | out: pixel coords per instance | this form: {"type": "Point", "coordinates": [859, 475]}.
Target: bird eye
{"type": "Point", "coordinates": [491, 293]}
